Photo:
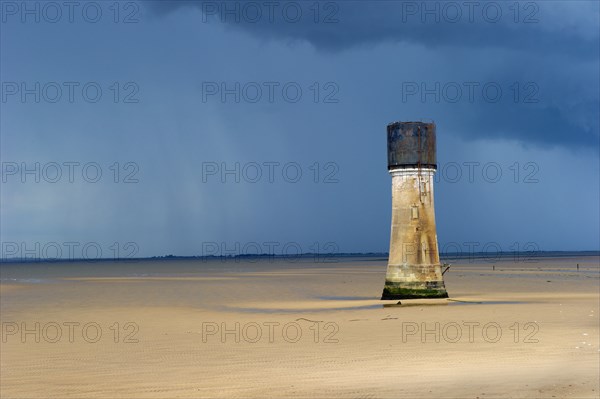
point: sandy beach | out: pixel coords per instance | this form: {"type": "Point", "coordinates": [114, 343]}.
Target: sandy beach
{"type": "Point", "coordinates": [277, 328]}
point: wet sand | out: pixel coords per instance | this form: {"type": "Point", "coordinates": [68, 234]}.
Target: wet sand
{"type": "Point", "coordinates": [250, 329]}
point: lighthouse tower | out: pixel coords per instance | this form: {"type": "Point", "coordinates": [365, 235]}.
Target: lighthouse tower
{"type": "Point", "coordinates": [414, 269]}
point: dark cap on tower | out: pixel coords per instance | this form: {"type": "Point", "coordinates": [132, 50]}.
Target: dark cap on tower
{"type": "Point", "coordinates": [411, 145]}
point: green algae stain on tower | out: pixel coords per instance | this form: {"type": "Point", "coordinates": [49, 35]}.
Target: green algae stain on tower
{"type": "Point", "coordinates": [414, 269]}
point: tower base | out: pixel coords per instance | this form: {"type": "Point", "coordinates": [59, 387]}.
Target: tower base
{"type": "Point", "coordinates": [414, 290]}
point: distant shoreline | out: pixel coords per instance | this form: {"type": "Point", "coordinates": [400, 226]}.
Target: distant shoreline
{"type": "Point", "coordinates": [321, 256]}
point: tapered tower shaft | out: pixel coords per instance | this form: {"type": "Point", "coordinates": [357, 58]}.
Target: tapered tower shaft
{"type": "Point", "coordinates": [414, 269]}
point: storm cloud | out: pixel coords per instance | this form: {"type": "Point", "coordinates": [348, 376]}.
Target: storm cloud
{"type": "Point", "coordinates": [515, 97]}
{"type": "Point", "coordinates": [542, 55]}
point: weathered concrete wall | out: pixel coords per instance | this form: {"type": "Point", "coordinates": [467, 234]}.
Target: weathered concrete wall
{"type": "Point", "coordinates": [414, 269]}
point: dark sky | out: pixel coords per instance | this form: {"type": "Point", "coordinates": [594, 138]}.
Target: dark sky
{"type": "Point", "coordinates": [233, 125]}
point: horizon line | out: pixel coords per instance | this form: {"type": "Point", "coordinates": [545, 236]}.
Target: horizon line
{"type": "Point", "coordinates": [323, 257]}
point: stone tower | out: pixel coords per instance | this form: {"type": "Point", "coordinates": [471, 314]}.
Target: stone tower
{"type": "Point", "coordinates": [414, 269]}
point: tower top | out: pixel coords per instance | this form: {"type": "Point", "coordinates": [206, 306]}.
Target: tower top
{"type": "Point", "coordinates": [411, 144]}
